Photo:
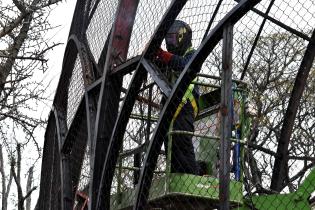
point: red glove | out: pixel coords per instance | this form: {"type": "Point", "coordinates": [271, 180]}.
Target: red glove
{"type": "Point", "coordinates": [164, 56]}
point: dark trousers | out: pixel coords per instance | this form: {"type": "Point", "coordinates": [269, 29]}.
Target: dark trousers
{"type": "Point", "coordinates": [183, 158]}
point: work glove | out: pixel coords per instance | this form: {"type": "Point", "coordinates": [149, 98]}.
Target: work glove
{"type": "Point", "coordinates": [163, 56]}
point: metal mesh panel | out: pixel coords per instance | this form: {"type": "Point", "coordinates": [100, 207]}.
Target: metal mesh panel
{"type": "Point", "coordinates": [75, 91]}
{"type": "Point", "coordinates": [289, 12]}
{"type": "Point", "coordinates": [198, 15]}
{"type": "Point", "coordinates": [271, 91]}
{"type": "Point", "coordinates": [97, 33]}
{"type": "Point", "coordinates": [79, 153]}
{"type": "Point", "coordinates": [138, 132]}
{"type": "Point", "coordinates": [148, 16]}
{"type": "Point", "coordinates": [85, 171]}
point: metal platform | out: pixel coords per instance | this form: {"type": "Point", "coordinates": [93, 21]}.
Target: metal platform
{"type": "Point", "coordinates": [181, 189]}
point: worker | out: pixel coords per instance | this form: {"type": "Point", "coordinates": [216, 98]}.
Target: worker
{"type": "Point", "coordinates": [179, 51]}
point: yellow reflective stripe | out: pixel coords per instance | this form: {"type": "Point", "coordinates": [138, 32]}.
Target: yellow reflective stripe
{"type": "Point", "coordinates": [195, 107]}
{"type": "Point", "coordinates": [183, 102]}
{"type": "Point", "coordinates": [188, 50]}
{"type": "Point", "coordinates": [189, 96]}
{"type": "Point", "coordinates": [179, 108]}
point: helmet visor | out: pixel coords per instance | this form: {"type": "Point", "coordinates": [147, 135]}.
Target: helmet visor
{"type": "Point", "coordinates": [171, 39]}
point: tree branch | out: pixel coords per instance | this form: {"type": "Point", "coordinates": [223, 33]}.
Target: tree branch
{"type": "Point", "coordinates": [29, 192]}
{"type": "Point", "coordinates": [25, 58]}
{"type": "Point", "coordinates": [16, 180]}
{"type": "Point", "coordinates": [19, 5]}
{"type": "Point", "coordinates": [281, 160]}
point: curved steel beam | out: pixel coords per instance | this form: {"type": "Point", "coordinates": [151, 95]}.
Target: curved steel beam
{"type": "Point", "coordinates": [122, 120]}
{"type": "Point", "coordinates": [47, 169]}
{"type": "Point", "coordinates": [74, 48]}
{"type": "Point", "coordinates": [86, 65]}
{"type": "Point", "coordinates": [59, 114]}
{"type": "Point", "coordinates": [178, 91]}
{"type": "Point", "coordinates": [279, 170]}
{"type": "Point", "coordinates": [77, 48]}
{"type": "Point", "coordinates": [88, 77]}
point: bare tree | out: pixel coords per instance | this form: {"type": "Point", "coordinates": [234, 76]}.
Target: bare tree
{"type": "Point", "coordinates": [29, 187]}
{"type": "Point", "coordinates": [16, 171]}
{"type": "Point", "coordinates": [24, 45]}
{"type": "Point", "coordinates": [23, 49]}
{"type": "Point", "coordinates": [271, 76]}
{"type": "Point", "coordinates": [6, 186]}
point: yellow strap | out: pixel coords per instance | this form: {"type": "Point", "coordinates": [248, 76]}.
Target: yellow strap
{"type": "Point", "coordinates": [190, 96]}
{"type": "Point", "coordinates": [179, 108]}
{"type": "Point", "coordinates": [195, 107]}
{"type": "Point", "coordinates": [187, 96]}
{"type": "Point", "coordinates": [188, 50]}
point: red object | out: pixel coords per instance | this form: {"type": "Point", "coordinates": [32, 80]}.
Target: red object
{"type": "Point", "coordinates": [164, 56]}
{"type": "Point", "coordinates": [82, 201]}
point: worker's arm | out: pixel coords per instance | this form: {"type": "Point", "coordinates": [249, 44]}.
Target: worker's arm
{"type": "Point", "coordinates": [177, 63]}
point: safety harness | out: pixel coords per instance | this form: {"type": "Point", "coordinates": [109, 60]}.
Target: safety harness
{"type": "Point", "coordinates": [188, 96]}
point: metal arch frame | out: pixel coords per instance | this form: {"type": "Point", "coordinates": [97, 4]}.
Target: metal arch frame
{"type": "Point", "coordinates": [119, 126]}
{"type": "Point", "coordinates": [88, 78]}
{"type": "Point", "coordinates": [61, 103]}
{"type": "Point", "coordinates": [118, 44]}
{"type": "Point", "coordinates": [173, 101]}
{"type": "Point", "coordinates": [121, 122]}
{"type": "Point", "coordinates": [48, 157]}
{"type": "Point", "coordinates": [59, 113]}
{"type": "Point", "coordinates": [80, 50]}
{"type": "Point", "coordinates": [66, 147]}
{"type": "Point", "coordinates": [287, 127]}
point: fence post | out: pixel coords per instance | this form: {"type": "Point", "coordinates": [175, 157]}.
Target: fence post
{"type": "Point", "coordinates": [226, 117]}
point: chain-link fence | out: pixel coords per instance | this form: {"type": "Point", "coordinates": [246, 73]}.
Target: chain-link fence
{"type": "Point", "coordinates": [184, 105]}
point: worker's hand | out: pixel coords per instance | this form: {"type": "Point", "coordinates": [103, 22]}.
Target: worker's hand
{"type": "Point", "coordinates": [163, 56]}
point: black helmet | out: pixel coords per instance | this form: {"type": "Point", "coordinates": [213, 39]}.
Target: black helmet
{"type": "Point", "coordinates": [178, 38]}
